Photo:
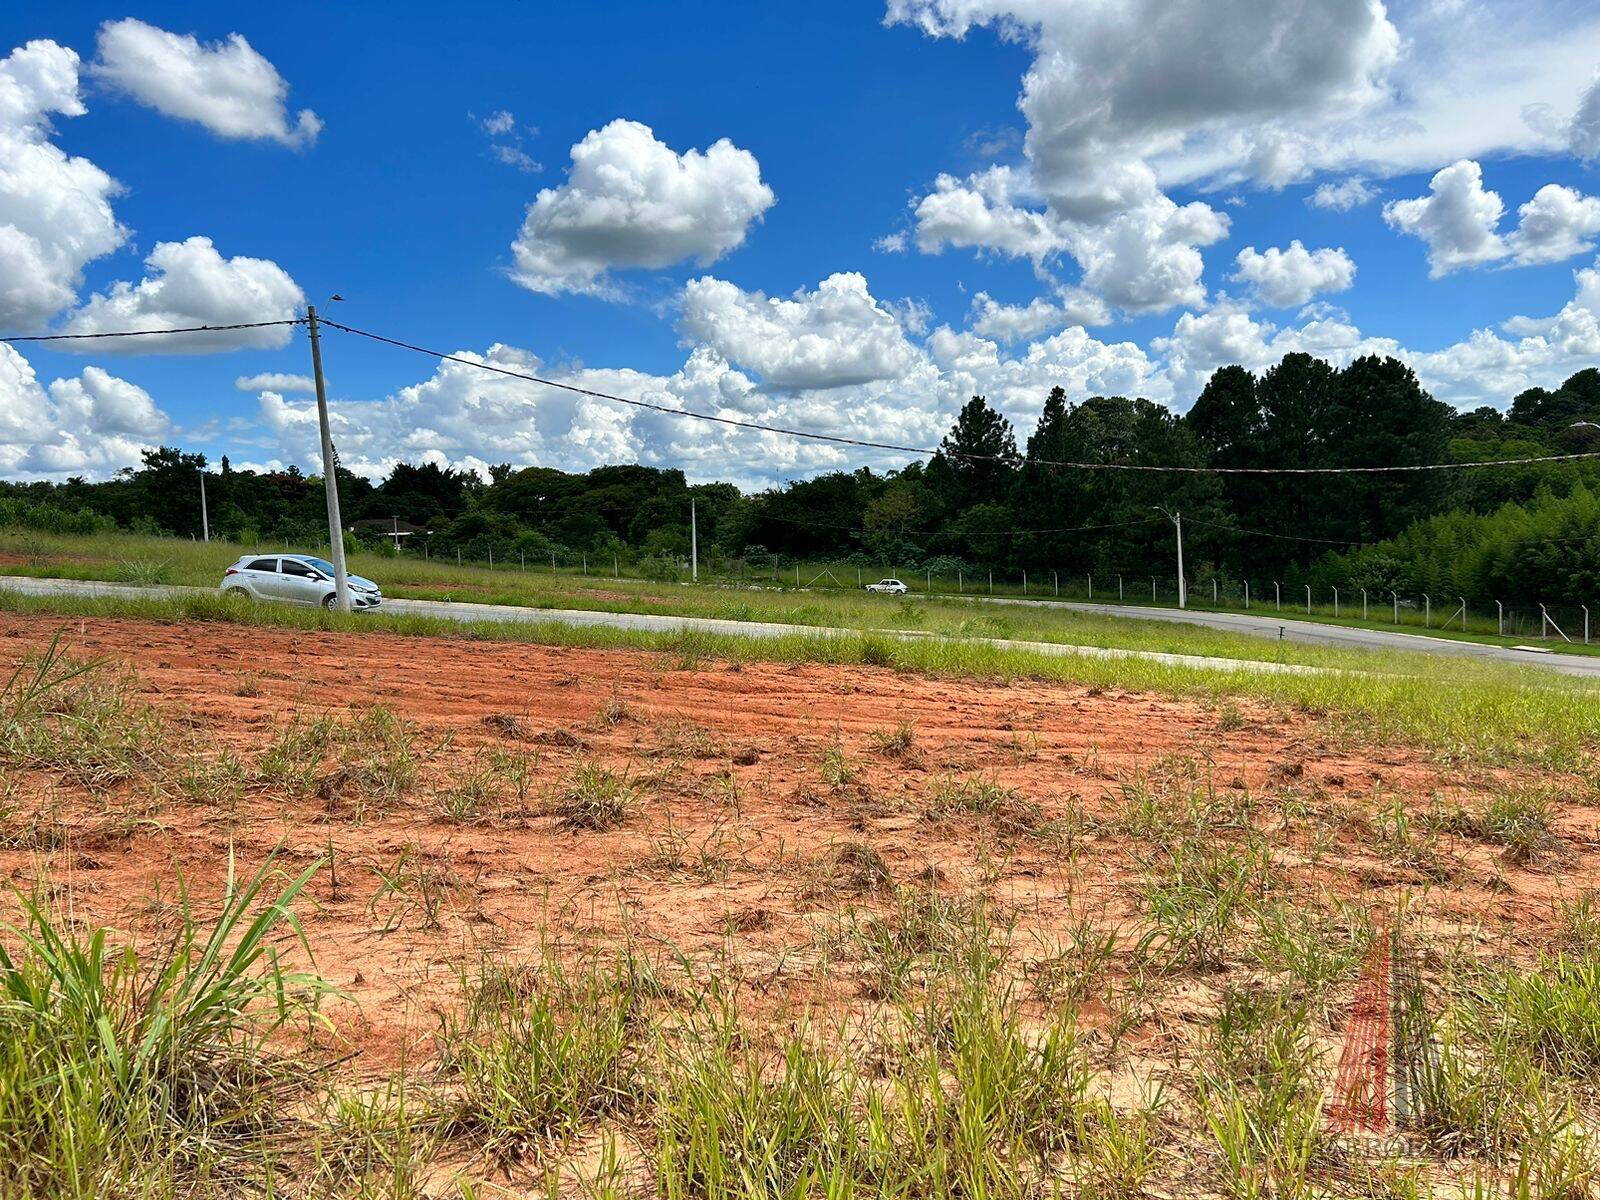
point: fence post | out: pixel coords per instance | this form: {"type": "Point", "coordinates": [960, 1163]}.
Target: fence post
{"type": "Point", "coordinates": [1308, 599]}
{"type": "Point", "coordinates": [960, 582]}
{"type": "Point", "coordinates": [616, 567]}
{"type": "Point", "coordinates": [1247, 593]}
{"type": "Point", "coordinates": [930, 581]}
{"type": "Point", "coordinates": [1213, 590]}
{"type": "Point", "coordinates": [1056, 576]}
{"type": "Point", "coordinates": [991, 583]}
{"type": "Point", "coordinates": [1152, 590]}
{"type": "Point", "coordinates": [1277, 594]}
{"type": "Point", "coordinates": [1363, 604]}
{"type": "Point", "coordinates": [552, 562]}
{"type": "Point", "coordinates": [1463, 600]}
{"type": "Point", "coordinates": [1585, 624]}
{"type": "Point", "coordinates": [1119, 587]}
{"type": "Point", "coordinates": [458, 556]}
{"type": "Point", "coordinates": [1024, 583]}
{"type": "Point", "coordinates": [522, 560]}
{"type": "Point", "coordinates": [1427, 611]}
{"type": "Point", "coordinates": [1091, 585]}
{"type": "Point", "coordinates": [797, 573]}
{"type": "Point", "coordinates": [1396, 596]}
{"type": "Point", "coordinates": [1335, 604]}
{"type": "Point", "coordinates": [1500, 617]}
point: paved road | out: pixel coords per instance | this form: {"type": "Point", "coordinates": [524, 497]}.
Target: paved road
{"type": "Point", "coordinates": [1270, 627]}
{"type": "Point", "coordinates": [656, 623]}
{"type": "Point", "coordinates": [1318, 634]}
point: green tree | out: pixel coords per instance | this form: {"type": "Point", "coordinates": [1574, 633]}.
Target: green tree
{"type": "Point", "coordinates": [977, 459]}
{"type": "Point", "coordinates": [1379, 416]}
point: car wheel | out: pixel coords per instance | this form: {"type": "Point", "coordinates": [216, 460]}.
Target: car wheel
{"type": "Point", "coordinates": [331, 599]}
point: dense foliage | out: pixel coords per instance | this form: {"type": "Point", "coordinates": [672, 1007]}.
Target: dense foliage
{"type": "Point", "coordinates": [986, 502]}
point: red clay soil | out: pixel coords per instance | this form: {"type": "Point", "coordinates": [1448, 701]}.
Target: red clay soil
{"type": "Point", "coordinates": [750, 779]}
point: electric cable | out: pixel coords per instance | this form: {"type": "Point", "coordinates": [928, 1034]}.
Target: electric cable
{"type": "Point", "coordinates": [927, 451]}
{"type": "Point", "coordinates": [81, 337]}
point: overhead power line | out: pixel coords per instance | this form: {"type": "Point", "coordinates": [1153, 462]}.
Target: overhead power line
{"type": "Point", "coordinates": [813, 435]}
{"type": "Point", "coordinates": [83, 337]}
{"type": "Point", "coordinates": [984, 533]}
{"type": "Point", "coordinates": [929, 451]}
{"type": "Point", "coordinates": [1285, 537]}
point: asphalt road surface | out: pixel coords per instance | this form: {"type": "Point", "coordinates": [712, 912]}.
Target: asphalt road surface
{"type": "Point", "coordinates": [656, 623]}
{"type": "Point", "coordinates": [1317, 634]}
{"type": "Point", "coordinates": [1264, 626]}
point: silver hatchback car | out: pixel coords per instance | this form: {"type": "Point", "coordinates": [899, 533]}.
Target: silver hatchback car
{"type": "Point", "coordinates": [295, 579]}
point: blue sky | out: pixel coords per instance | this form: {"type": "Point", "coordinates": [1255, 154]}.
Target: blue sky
{"type": "Point", "coordinates": [1110, 171]}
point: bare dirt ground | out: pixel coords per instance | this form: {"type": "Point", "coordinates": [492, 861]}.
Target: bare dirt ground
{"type": "Point", "coordinates": [767, 800]}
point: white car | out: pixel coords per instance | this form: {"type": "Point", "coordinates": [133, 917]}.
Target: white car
{"type": "Point", "coordinates": [888, 587]}
{"type": "Point", "coordinates": [295, 579]}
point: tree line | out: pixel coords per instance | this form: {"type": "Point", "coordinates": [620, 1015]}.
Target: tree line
{"type": "Point", "coordinates": [984, 501]}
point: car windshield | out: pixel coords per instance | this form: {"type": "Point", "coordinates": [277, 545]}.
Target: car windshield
{"type": "Point", "coordinates": [325, 567]}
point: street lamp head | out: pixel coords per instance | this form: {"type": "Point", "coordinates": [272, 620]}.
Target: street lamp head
{"type": "Point", "coordinates": [334, 297]}
{"type": "Point", "coordinates": [1584, 425]}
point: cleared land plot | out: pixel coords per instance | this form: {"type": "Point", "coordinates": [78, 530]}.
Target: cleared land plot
{"type": "Point", "coordinates": [601, 908]}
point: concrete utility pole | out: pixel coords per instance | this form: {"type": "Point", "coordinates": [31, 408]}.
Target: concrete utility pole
{"type": "Point", "coordinates": [205, 521]}
{"type": "Point", "coordinates": [694, 544]}
{"type": "Point", "coordinates": [330, 481]}
{"type": "Point", "coordinates": [1183, 588]}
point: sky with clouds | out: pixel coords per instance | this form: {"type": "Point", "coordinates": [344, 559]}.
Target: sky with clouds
{"type": "Point", "coordinates": [840, 216]}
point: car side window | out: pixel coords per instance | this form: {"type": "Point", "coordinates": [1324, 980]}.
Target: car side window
{"type": "Point", "coordinates": [291, 567]}
{"type": "Point", "coordinates": [263, 564]}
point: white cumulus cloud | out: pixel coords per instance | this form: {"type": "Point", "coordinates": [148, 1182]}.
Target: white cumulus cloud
{"type": "Point", "coordinates": [1125, 102]}
{"type": "Point", "coordinates": [632, 201]}
{"type": "Point", "coordinates": [1144, 256]}
{"type": "Point", "coordinates": [55, 210]}
{"type": "Point", "coordinates": [93, 424]}
{"type": "Point", "coordinates": [275, 381]}
{"type": "Point", "coordinates": [982, 212]}
{"type": "Point", "coordinates": [1583, 132]}
{"type": "Point", "coordinates": [1557, 224]}
{"type": "Point", "coordinates": [191, 284]}
{"type": "Point", "coordinates": [1289, 278]}
{"type": "Point", "coordinates": [831, 359]}
{"type": "Point", "coordinates": [1115, 90]}
{"type": "Point", "coordinates": [833, 336]}
{"type": "Point", "coordinates": [1484, 368]}
{"type": "Point", "coordinates": [1343, 195]}
{"type": "Point", "coordinates": [1459, 220]}
{"type": "Point", "coordinates": [1147, 258]}
{"type": "Point", "coordinates": [1021, 322]}
{"type": "Point", "coordinates": [226, 86]}
{"type": "Point", "coordinates": [1113, 85]}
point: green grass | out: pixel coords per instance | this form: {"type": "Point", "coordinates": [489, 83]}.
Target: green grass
{"type": "Point", "coordinates": [122, 557]}
{"type": "Point", "coordinates": [122, 1070]}
{"type": "Point", "coordinates": [1460, 711]}
{"type": "Point", "coordinates": [536, 1054]}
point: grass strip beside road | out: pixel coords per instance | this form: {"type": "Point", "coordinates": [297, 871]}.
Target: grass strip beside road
{"type": "Point", "coordinates": [136, 559]}
{"type": "Point", "coordinates": [1460, 711]}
